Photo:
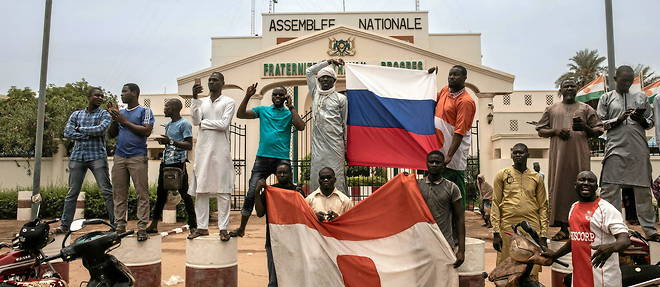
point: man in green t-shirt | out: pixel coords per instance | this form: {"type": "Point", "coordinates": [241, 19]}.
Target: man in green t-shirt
{"type": "Point", "coordinates": [274, 141]}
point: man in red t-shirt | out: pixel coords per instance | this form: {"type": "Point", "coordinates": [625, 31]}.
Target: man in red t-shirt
{"type": "Point", "coordinates": [597, 231]}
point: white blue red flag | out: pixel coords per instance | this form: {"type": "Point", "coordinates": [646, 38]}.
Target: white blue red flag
{"type": "Point", "coordinates": [389, 239]}
{"type": "Point", "coordinates": [390, 116]}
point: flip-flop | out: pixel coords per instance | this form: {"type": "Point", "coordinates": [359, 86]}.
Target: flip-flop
{"type": "Point", "coordinates": [224, 236]}
{"type": "Point", "coordinates": [235, 233]}
{"type": "Point", "coordinates": [561, 235]}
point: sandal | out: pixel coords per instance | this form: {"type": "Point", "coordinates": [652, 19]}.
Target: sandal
{"type": "Point", "coordinates": [655, 237]}
{"type": "Point", "coordinates": [561, 235]}
{"type": "Point", "coordinates": [237, 232]}
{"type": "Point", "coordinates": [198, 233]}
{"type": "Point", "coordinates": [224, 236]}
{"type": "Point", "coordinates": [142, 235]}
{"type": "Point", "coordinates": [152, 230]}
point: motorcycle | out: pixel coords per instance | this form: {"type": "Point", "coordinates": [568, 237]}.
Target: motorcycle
{"type": "Point", "coordinates": [524, 253]}
{"type": "Point", "coordinates": [23, 264]}
{"type": "Point", "coordinates": [104, 269]}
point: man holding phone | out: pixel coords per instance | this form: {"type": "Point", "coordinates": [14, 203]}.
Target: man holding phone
{"type": "Point", "coordinates": [274, 141]}
{"type": "Point", "coordinates": [627, 162]}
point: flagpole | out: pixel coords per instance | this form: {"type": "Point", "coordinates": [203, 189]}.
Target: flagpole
{"type": "Point", "coordinates": [41, 110]}
{"type": "Point", "coordinates": [610, 43]}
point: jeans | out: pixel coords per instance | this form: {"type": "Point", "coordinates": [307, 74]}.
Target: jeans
{"type": "Point", "coordinates": [124, 169]}
{"type": "Point", "coordinates": [262, 169]}
{"type": "Point", "coordinates": [161, 195]}
{"type": "Point", "coordinates": [77, 172]}
{"type": "Point", "coordinates": [272, 275]}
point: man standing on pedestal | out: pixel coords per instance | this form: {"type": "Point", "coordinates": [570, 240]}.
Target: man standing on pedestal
{"type": "Point", "coordinates": [329, 115]}
{"type": "Point", "coordinates": [569, 125]}
{"type": "Point", "coordinates": [627, 162]}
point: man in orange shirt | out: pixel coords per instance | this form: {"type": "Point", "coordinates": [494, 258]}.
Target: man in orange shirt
{"type": "Point", "coordinates": [454, 113]}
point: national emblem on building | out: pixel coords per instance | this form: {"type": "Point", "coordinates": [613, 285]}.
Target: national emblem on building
{"type": "Point", "coordinates": [341, 47]}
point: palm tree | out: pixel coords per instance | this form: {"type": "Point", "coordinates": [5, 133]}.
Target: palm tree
{"type": "Point", "coordinates": [648, 75]}
{"type": "Point", "coordinates": [585, 66]}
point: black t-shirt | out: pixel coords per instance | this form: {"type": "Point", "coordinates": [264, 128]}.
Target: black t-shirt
{"type": "Point", "coordinates": [289, 186]}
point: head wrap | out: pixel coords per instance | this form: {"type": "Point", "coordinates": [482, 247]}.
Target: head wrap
{"type": "Point", "coordinates": [327, 71]}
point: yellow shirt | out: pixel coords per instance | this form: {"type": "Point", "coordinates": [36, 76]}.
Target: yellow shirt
{"type": "Point", "coordinates": [337, 202]}
{"type": "Point", "coordinates": [519, 196]}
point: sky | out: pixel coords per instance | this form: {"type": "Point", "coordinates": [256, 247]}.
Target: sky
{"type": "Point", "coordinates": [151, 43]}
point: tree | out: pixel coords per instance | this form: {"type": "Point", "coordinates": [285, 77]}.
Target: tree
{"type": "Point", "coordinates": [648, 76]}
{"type": "Point", "coordinates": [18, 113]}
{"type": "Point", "coordinates": [585, 66]}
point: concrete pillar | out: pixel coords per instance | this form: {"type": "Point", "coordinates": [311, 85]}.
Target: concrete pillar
{"type": "Point", "coordinates": [80, 206]}
{"type": "Point", "coordinates": [470, 273]}
{"type": "Point", "coordinates": [142, 258]}
{"type": "Point", "coordinates": [60, 266]}
{"type": "Point", "coordinates": [211, 262]}
{"type": "Point", "coordinates": [24, 205]}
{"type": "Point", "coordinates": [485, 107]}
{"type": "Point", "coordinates": [169, 212]}
{"type": "Point", "coordinates": [558, 271]}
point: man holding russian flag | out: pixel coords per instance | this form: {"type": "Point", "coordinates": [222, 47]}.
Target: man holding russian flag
{"type": "Point", "coordinates": [454, 113]}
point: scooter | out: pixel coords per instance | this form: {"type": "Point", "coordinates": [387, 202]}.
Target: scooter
{"type": "Point", "coordinates": [104, 269]}
{"type": "Point", "coordinates": [515, 270]}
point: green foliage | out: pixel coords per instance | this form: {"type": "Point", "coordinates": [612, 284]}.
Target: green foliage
{"type": "Point", "coordinates": [366, 180]}
{"type": "Point", "coordinates": [8, 201]}
{"type": "Point", "coordinates": [18, 117]}
{"type": "Point", "coordinates": [305, 167]}
{"type": "Point", "coordinates": [585, 66]}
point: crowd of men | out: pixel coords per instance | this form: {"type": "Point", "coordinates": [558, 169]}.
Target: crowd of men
{"type": "Point", "coordinates": [517, 192]}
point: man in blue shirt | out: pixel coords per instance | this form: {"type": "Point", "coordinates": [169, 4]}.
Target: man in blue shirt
{"type": "Point", "coordinates": [178, 141]}
{"type": "Point", "coordinates": [274, 141]}
{"type": "Point", "coordinates": [87, 129]}
{"type": "Point", "coordinates": [131, 126]}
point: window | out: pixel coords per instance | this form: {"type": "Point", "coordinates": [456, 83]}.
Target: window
{"type": "Point", "coordinates": [188, 102]}
{"type": "Point", "coordinates": [513, 125]}
{"type": "Point", "coordinates": [507, 100]}
{"type": "Point", "coordinates": [528, 100]}
{"type": "Point", "coordinates": [549, 99]}
{"type": "Point", "coordinates": [147, 103]}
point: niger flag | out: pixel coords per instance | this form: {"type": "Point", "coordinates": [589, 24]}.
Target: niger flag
{"type": "Point", "coordinates": [388, 239]}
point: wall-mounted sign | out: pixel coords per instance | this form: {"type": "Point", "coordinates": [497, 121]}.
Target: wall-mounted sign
{"type": "Point", "coordinates": [298, 69]}
{"type": "Point", "coordinates": [341, 47]}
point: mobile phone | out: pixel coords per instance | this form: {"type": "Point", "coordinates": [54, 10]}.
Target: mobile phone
{"type": "Point", "coordinates": [198, 81]}
{"type": "Point", "coordinates": [640, 111]}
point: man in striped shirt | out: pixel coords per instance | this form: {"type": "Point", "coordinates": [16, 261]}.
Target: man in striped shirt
{"type": "Point", "coordinates": [87, 129]}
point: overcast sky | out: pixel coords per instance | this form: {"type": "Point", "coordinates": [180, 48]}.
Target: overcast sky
{"type": "Point", "coordinates": [153, 42]}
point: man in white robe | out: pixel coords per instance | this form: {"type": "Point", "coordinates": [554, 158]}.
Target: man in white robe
{"type": "Point", "coordinates": [213, 166]}
{"type": "Point", "coordinates": [329, 115]}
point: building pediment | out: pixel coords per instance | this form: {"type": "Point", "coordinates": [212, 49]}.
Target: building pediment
{"type": "Point", "coordinates": [289, 59]}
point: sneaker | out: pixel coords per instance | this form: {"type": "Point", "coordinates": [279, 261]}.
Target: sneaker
{"type": "Point", "coordinates": [142, 235]}
{"type": "Point", "coordinates": [120, 229]}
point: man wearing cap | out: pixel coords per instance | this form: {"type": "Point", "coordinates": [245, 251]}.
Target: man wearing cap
{"type": "Point", "coordinates": [329, 114]}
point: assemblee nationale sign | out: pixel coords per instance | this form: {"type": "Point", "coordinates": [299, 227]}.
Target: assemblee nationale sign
{"type": "Point", "coordinates": [367, 23]}
{"type": "Point", "coordinates": [298, 69]}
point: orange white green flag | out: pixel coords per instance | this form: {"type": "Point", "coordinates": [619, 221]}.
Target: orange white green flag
{"type": "Point", "coordinates": [592, 91]}
{"type": "Point", "coordinates": [636, 86]}
{"type": "Point", "coordinates": [652, 91]}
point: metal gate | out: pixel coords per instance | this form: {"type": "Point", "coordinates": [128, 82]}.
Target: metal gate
{"type": "Point", "coordinates": [237, 140]}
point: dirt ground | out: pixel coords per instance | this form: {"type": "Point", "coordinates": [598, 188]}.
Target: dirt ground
{"type": "Point", "coordinates": [251, 254]}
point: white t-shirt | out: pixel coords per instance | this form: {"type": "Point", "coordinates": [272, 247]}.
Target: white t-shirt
{"type": "Point", "coordinates": [591, 224]}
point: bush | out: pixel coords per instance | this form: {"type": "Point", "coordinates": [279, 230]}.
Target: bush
{"type": "Point", "coordinates": [8, 201]}
{"type": "Point", "coordinates": [366, 180]}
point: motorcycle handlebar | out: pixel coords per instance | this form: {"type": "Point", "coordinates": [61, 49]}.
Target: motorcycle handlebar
{"type": "Point", "coordinates": [50, 258]}
{"type": "Point", "coordinates": [562, 263]}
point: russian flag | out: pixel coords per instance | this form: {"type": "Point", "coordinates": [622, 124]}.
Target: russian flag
{"type": "Point", "coordinates": [390, 116]}
{"type": "Point", "coordinates": [390, 239]}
